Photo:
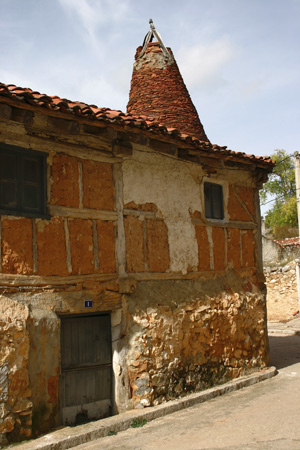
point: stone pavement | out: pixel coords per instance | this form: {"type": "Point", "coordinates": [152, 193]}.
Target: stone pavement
{"type": "Point", "coordinates": [291, 327]}
{"type": "Point", "coordinates": [263, 416]}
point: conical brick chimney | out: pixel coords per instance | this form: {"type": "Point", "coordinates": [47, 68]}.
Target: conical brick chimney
{"type": "Point", "coordinates": [158, 90]}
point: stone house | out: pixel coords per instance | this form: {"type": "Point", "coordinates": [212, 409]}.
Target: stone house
{"type": "Point", "coordinates": [279, 251]}
{"type": "Point", "coordinates": [130, 262]}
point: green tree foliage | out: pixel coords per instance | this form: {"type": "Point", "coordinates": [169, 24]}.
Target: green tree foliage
{"type": "Point", "coordinates": [282, 217]}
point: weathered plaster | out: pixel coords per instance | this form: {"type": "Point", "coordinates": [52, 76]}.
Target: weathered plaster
{"type": "Point", "coordinates": [44, 368]}
{"type": "Point", "coordinates": [171, 186]}
{"type": "Point", "coordinates": [154, 61]}
{"type": "Point", "coordinates": [121, 388]}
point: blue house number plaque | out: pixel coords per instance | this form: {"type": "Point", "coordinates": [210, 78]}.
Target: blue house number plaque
{"type": "Point", "coordinates": [88, 303]}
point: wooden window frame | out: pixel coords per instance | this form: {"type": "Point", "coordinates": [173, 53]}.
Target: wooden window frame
{"type": "Point", "coordinates": [19, 179]}
{"type": "Point", "coordinates": [214, 201]}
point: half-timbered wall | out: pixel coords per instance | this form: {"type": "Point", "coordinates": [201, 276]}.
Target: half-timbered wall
{"type": "Point", "coordinates": [126, 234]}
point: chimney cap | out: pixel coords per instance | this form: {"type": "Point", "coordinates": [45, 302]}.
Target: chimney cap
{"type": "Point", "coordinates": [149, 37]}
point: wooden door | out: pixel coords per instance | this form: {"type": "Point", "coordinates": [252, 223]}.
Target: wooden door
{"type": "Point", "coordinates": [86, 369]}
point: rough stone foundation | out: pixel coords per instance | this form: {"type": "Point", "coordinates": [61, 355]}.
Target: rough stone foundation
{"type": "Point", "coordinates": [15, 391]}
{"type": "Point", "coordinates": [183, 339]}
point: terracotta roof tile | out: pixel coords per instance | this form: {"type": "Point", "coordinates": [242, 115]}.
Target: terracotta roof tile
{"type": "Point", "coordinates": [287, 242]}
{"type": "Point", "coordinates": [92, 112]}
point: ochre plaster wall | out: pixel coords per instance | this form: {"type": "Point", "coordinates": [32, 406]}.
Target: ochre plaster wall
{"type": "Point", "coordinates": [79, 244]}
{"type": "Point", "coordinates": [171, 187]}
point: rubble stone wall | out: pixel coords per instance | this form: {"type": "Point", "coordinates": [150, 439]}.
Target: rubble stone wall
{"type": "Point", "coordinates": [30, 352]}
{"type": "Point", "coordinates": [282, 293]}
{"type": "Point", "coordinates": [15, 389]}
{"type": "Point", "coordinates": [185, 336]}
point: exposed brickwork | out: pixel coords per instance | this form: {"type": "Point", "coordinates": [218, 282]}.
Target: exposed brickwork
{"type": "Point", "coordinates": [65, 181]}
{"type": "Point", "coordinates": [233, 248]}
{"type": "Point", "coordinates": [248, 248]}
{"type": "Point", "coordinates": [195, 214]}
{"type": "Point", "coordinates": [218, 235]}
{"type": "Point", "coordinates": [246, 196]}
{"type": "Point", "coordinates": [203, 248]}
{"type": "Point", "coordinates": [106, 246]}
{"type": "Point", "coordinates": [158, 91]}
{"type": "Point", "coordinates": [157, 245]}
{"type": "Point", "coordinates": [98, 192]}
{"type": "Point", "coordinates": [149, 207]}
{"type": "Point", "coordinates": [135, 250]}
{"type": "Point", "coordinates": [81, 241]}
{"type": "Point", "coordinates": [51, 233]}
{"type": "Point", "coordinates": [235, 208]}
{"type": "Point", "coordinates": [17, 253]}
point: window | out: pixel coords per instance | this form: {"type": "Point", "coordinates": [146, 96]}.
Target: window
{"type": "Point", "coordinates": [22, 181]}
{"type": "Point", "coordinates": [213, 195]}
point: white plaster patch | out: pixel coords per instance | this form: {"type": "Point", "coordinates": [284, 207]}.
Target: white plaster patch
{"type": "Point", "coordinates": [153, 60]}
{"type": "Point", "coordinates": [173, 188]}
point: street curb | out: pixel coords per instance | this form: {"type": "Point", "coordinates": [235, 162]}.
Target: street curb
{"type": "Point", "coordinates": [287, 332]}
{"type": "Point", "coordinates": [69, 437]}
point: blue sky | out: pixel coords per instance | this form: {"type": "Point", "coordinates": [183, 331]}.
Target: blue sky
{"type": "Point", "coordinates": [240, 59]}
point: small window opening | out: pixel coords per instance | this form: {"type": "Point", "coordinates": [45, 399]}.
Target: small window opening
{"type": "Point", "coordinates": [22, 181]}
{"type": "Point", "coordinates": [213, 194]}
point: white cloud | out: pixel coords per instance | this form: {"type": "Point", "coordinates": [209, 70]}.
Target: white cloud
{"type": "Point", "coordinates": [201, 65]}
{"type": "Point", "coordinates": [94, 15]}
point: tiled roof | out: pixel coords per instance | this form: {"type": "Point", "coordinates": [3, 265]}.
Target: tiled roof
{"type": "Point", "coordinates": [83, 110]}
{"type": "Point", "coordinates": [293, 242]}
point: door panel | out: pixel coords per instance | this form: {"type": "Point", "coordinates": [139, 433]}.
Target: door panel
{"type": "Point", "coordinates": [86, 378]}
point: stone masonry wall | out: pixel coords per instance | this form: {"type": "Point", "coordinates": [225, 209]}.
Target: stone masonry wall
{"type": "Point", "coordinates": [185, 336]}
{"type": "Point", "coordinates": [15, 389]}
{"type": "Point", "coordinates": [30, 351]}
{"type": "Point", "coordinates": [282, 293]}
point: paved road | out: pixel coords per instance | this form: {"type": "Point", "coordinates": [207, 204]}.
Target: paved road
{"type": "Point", "coordinates": [264, 416]}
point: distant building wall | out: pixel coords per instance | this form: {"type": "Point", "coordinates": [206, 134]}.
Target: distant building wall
{"type": "Point", "coordinates": [279, 251]}
{"type": "Point", "coordinates": [270, 251]}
